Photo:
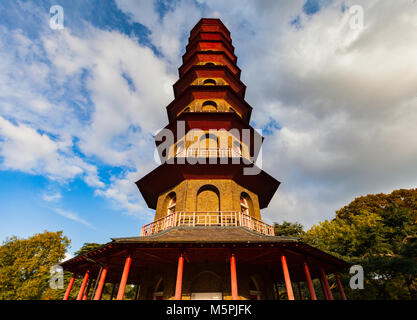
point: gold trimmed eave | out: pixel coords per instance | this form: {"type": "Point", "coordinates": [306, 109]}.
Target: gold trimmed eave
{"type": "Point", "coordinates": [202, 92]}
{"type": "Point", "coordinates": [183, 69]}
{"type": "Point", "coordinates": [167, 176]}
{"type": "Point", "coordinates": [215, 121]}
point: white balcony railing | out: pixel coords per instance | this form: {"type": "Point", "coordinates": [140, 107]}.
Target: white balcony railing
{"type": "Point", "coordinates": [207, 219]}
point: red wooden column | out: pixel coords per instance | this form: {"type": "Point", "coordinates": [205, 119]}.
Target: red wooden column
{"type": "Point", "coordinates": [326, 284]}
{"type": "Point", "coordinates": [287, 278]}
{"type": "Point", "coordinates": [68, 291]}
{"type": "Point", "coordinates": [309, 282]}
{"type": "Point", "coordinates": [339, 285]}
{"type": "Point", "coordinates": [101, 283]}
{"type": "Point", "coordinates": [233, 277]}
{"type": "Point", "coordinates": [83, 284]}
{"type": "Point", "coordinates": [178, 286]}
{"type": "Point", "coordinates": [125, 275]}
{"type": "Point", "coordinates": [85, 296]}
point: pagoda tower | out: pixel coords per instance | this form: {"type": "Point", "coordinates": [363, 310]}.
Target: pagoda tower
{"type": "Point", "coordinates": [208, 149]}
{"type": "Point", "coordinates": [207, 240]}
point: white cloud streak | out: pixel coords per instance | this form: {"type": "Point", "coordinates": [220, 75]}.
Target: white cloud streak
{"type": "Point", "coordinates": [52, 197]}
{"type": "Point", "coordinates": [72, 216]}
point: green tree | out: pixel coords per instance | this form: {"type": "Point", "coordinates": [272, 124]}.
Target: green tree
{"type": "Point", "coordinates": [289, 229]}
{"type": "Point", "coordinates": [378, 232]}
{"type": "Point", "coordinates": [87, 247]}
{"type": "Point", "coordinates": [25, 266]}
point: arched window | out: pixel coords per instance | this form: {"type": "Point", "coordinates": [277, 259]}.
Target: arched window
{"type": "Point", "coordinates": [207, 285]}
{"type": "Point", "coordinates": [208, 200]}
{"type": "Point", "coordinates": [209, 106]}
{"type": "Point", "coordinates": [210, 64]}
{"type": "Point", "coordinates": [254, 292]}
{"type": "Point", "coordinates": [244, 207]}
{"type": "Point", "coordinates": [169, 204]}
{"type": "Point", "coordinates": [209, 82]}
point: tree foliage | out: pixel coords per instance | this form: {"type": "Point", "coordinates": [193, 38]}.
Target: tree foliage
{"type": "Point", "coordinates": [289, 229]}
{"type": "Point", "coordinates": [87, 247]}
{"type": "Point", "coordinates": [378, 232]}
{"type": "Point", "coordinates": [25, 265]}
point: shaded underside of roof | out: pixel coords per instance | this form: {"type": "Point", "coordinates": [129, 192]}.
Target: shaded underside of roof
{"type": "Point", "coordinates": [202, 245]}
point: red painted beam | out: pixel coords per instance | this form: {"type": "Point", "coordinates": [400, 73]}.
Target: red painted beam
{"type": "Point", "coordinates": [309, 282]}
{"type": "Point", "coordinates": [339, 285]}
{"type": "Point", "coordinates": [68, 291]}
{"type": "Point", "coordinates": [101, 283]}
{"type": "Point", "coordinates": [233, 277]}
{"type": "Point", "coordinates": [287, 278]}
{"type": "Point", "coordinates": [83, 285]}
{"type": "Point", "coordinates": [123, 281]}
{"type": "Point", "coordinates": [178, 286]}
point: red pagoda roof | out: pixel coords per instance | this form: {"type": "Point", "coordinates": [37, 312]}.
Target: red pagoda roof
{"type": "Point", "coordinates": [169, 175]}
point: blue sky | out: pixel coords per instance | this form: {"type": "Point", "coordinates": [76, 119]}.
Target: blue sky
{"type": "Point", "coordinates": [79, 106]}
{"type": "Point", "coordinates": [32, 202]}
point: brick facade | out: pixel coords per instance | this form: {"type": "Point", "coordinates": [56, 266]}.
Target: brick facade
{"type": "Point", "coordinates": [187, 196]}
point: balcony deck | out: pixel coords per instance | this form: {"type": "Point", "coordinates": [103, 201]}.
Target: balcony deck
{"type": "Point", "coordinates": [207, 219]}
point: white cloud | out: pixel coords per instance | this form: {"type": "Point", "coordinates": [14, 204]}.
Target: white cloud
{"type": "Point", "coordinates": [52, 197]}
{"type": "Point", "coordinates": [73, 216]}
{"type": "Point", "coordinates": [117, 91]}
{"type": "Point", "coordinates": [24, 148]}
{"type": "Point", "coordinates": [126, 84]}
{"type": "Point", "coordinates": [168, 32]}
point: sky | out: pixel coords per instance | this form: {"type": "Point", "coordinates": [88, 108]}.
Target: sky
{"type": "Point", "coordinates": [335, 98]}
